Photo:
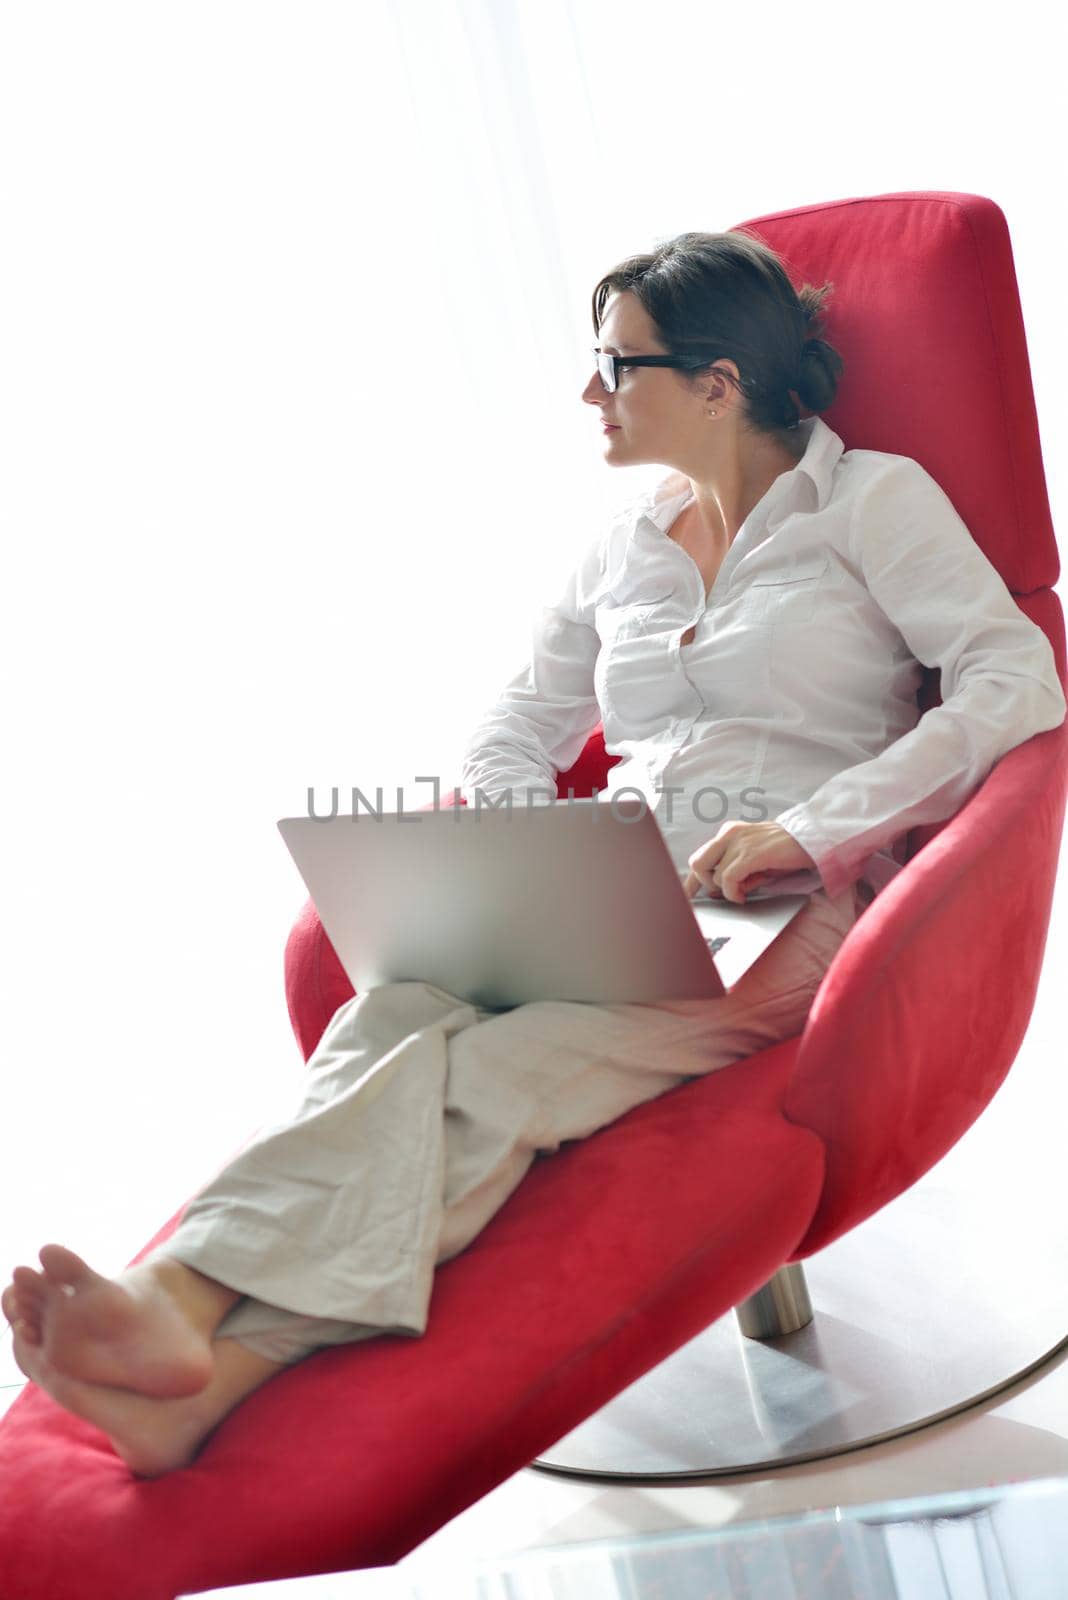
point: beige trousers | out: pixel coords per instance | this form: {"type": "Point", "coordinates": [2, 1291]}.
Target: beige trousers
{"type": "Point", "coordinates": [421, 1114]}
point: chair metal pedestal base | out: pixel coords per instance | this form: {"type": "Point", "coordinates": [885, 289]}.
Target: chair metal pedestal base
{"type": "Point", "coordinates": [948, 1295]}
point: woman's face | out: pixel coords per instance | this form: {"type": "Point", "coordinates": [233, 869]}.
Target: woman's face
{"type": "Point", "coordinates": [656, 415]}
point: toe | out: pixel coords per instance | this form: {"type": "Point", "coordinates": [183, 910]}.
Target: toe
{"type": "Point", "coordinates": [30, 1284]}
{"type": "Point", "coordinates": [30, 1292]}
{"type": "Point", "coordinates": [28, 1357]}
{"type": "Point", "coordinates": [21, 1313]}
{"type": "Point", "coordinates": [64, 1267]}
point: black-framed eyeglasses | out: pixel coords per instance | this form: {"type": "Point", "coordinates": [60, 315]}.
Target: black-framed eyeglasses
{"type": "Point", "coordinates": [608, 365]}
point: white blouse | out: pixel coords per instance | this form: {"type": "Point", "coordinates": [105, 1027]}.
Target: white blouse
{"type": "Point", "coordinates": [796, 700]}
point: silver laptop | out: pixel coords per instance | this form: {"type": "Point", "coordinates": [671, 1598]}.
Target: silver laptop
{"type": "Point", "coordinates": [574, 901]}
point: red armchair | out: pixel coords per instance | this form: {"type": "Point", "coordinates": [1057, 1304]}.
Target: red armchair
{"type": "Point", "coordinates": [627, 1247]}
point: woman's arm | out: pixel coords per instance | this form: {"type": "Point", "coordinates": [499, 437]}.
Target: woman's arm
{"type": "Point", "coordinates": [544, 715]}
{"type": "Point", "coordinates": [999, 680]}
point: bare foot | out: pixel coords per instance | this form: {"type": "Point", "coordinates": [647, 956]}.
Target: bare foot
{"type": "Point", "coordinates": [132, 1332]}
{"type": "Point", "coordinates": [152, 1436]}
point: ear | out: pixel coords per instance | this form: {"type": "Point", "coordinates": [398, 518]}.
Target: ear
{"type": "Point", "coordinates": [717, 387]}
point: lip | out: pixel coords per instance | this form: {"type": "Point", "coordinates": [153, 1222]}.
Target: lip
{"type": "Point", "coordinates": [610, 426]}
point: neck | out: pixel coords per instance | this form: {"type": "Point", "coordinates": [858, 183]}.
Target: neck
{"type": "Point", "coordinates": [727, 491]}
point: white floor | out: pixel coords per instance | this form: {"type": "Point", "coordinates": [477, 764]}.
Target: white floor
{"type": "Point", "coordinates": [1022, 1433]}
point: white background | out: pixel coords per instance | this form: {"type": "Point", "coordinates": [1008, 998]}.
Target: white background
{"type": "Point", "coordinates": [295, 319]}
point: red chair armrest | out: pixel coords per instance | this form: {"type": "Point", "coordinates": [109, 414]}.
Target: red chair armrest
{"type": "Point", "coordinates": [922, 1011]}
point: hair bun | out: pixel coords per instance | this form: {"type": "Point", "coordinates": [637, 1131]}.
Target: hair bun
{"type": "Point", "coordinates": [806, 349]}
{"type": "Point", "coordinates": [818, 376]}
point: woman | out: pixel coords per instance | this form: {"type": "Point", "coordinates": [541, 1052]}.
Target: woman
{"type": "Point", "coordinates": [750, 633]}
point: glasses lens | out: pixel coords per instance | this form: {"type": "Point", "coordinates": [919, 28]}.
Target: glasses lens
{"type": "Point", "coordinates": [607, 368]}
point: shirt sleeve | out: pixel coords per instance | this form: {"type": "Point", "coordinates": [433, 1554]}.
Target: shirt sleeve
{"type": "Point", "coordinates": [999, 680]}
{"type": "Point", "coordinates": [544, 715]}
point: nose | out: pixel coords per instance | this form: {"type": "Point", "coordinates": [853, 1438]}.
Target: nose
{"type": "Point", "coordinates": [595, 392]}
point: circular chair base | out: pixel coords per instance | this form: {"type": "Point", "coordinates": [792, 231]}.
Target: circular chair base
{"type": "Point", "coordinates": [948, 1295]}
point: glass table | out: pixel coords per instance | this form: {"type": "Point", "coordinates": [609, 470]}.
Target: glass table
{"type": "Point", "coordinates": [1005, 1542]}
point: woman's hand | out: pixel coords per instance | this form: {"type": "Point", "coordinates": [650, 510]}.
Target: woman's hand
{"type": "Point", "coordinates": [742, 856]}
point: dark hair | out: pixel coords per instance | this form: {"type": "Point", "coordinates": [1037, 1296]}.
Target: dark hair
{"type": "Point", "coordinates": [713, 295]}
